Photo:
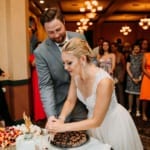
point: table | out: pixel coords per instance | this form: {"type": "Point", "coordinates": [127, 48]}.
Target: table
{"type": "Point", "coordinates": [42, 143]}
{"type": "Point", "coordinates": [92, 144]}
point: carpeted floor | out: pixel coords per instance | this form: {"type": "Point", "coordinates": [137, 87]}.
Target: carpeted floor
{"type": "Point", "coordinates": [144, 131]}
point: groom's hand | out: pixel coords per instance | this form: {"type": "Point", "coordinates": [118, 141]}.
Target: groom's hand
{"type": "Point", "coordinates": [50, 120]}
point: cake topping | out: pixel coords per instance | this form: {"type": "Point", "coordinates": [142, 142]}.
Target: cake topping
{"type": "Point", "coordinates": [70, 139]}
{"type": "Point", "coordinates": [27, 121]}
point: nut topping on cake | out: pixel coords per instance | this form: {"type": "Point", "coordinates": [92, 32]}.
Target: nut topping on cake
{"type": "Point", "coordinates": [70, 139]}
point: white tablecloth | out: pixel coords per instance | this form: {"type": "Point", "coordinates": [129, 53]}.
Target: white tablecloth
{"type": "Point", "coordinates": [41, 142]}
{"type": "Point", "coordinates": [92, 144]}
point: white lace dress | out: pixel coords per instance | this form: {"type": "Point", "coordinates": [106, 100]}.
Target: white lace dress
{"type": "Point", "coordinates": [118, 128]}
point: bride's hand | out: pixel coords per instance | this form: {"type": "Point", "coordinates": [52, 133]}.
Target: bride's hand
{"type": "Point", "coordinates": [50, 121]}
{"type": "Point", "coordinates": [57, 126]}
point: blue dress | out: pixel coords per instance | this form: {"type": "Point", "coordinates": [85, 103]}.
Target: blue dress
{"type": "Point", "coordinates": [136, 69]}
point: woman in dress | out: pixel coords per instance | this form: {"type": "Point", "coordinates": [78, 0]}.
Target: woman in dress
{"type": "Point", "coordinates": [134, 74]}
{"type": "Point", "coordinates": [107, 120]}
{"type": "Point", "coordinates": [145, 93]}
{"type": "Point", "coordinates": [106, 59]}
{"type": "Point", "coordinates": [38, 110]}
{"type": "Point", "coordinates": [119, 73]}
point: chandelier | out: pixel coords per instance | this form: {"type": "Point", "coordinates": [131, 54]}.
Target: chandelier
{"type": "Point", "coordinates": [144, 23]}
{"type": "Point", "coordinates": [90, 8]}
{"type": "Point", "coordinates": [42, 1]}
{"type": "Point", "coordinates": [83, 24]}
{"type": "Point", "coordinates": [125, 30]}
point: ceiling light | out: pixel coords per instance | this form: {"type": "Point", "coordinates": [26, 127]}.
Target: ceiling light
{"type": "Point", "coordinates": [144, 23]}
{"type": "Point", "coordinates": [90, 23]}
{"type": "Point", "coordinates": [91, 6]}
{"type": "Point", "coordinates": [82, 9]}
{"type": "Point", "coordinates": [91, 15]}
{"type": "Point", "coordinates": [42, 1]}
{"type": "Point", "coordinates": [125, 30]}
{"type": "Point", "coordinates": [46, 9]}
{"type": "Point", "coordinates": [78, 23]}
{"type": "Point", "coordinates": [83, 24]}
{"type": "Point", "coordinates": [90, 9]}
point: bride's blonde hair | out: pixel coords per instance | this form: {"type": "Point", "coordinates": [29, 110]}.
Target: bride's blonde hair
{"type": "Point", "coordinates": [79, 47]}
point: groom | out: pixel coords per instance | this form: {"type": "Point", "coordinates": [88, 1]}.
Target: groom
{"type": "Point", "coordinates": [54, 81]}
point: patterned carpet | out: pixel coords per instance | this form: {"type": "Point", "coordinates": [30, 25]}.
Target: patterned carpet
{"type": "Point", "coordinates": [144, 131]}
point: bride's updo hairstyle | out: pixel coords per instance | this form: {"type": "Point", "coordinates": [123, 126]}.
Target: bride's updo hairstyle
{"type": "Point", "coordinates": [79, 47]}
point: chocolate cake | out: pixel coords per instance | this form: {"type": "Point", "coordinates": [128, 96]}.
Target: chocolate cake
{"type": "Point", "coordinates": [70, 139]}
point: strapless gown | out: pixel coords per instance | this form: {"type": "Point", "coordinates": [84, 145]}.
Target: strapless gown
{"type": "Point", "coordinates": [118, 128]}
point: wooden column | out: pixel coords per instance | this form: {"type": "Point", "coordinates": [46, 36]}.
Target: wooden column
{"type": "Point", "coordinates": [14, 53]}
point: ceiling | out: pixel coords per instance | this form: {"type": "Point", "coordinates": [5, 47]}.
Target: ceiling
{"type": "Point", "coordinates": [113, 10]}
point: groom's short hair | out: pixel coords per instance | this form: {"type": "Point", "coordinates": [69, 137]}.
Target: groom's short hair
{"type": "Point", "coordinates": [51, 14]}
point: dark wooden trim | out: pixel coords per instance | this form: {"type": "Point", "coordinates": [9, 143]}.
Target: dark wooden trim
{"type": "Point", "coordinates": [15, 82]}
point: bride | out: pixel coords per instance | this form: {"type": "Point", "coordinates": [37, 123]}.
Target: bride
{"type": "Point", "coordinates": [107, 120]}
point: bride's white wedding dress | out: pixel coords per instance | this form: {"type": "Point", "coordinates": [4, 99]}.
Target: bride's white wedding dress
{"type": "Point", "coordinates": [118, 128]}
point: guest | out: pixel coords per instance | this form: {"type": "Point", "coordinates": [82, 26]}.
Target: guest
{"type": "Point", "coordinates": [145, 93]}
{"type": "Point", "coordinates": [119, 73]}
{"type": "Point", "coordinates": [126, 50]}
{"type": "Point", "coordinates": [38, 111]}
{"type": "Point", "coordinates": [134, 75]}
{"type": "Point", "coordinates": [107, 120]}
{"type": "Point", "coordinates": [99, 46]}
{"type": "Point", "coordinates": [54, 80]}
{"type": "Point", "coordinates": [144, 45]}
{"type": "Point", "coordinates": [119, 43]}
{"type": "Point", "coordinates": [5, 118]}
{"type": "Point", "coordinates": [33, 33]}
{"type": "Point", "coordinates": [106, 58]}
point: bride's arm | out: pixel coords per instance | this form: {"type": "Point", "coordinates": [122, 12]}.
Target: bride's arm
{"type": "Point", "coordinates": [103, 94]}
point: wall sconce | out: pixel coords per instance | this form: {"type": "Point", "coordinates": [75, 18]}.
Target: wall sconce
{"type": "Point", "coordinates": [125, 30]}
{"type": "Point", "coordinates": [144, 23]}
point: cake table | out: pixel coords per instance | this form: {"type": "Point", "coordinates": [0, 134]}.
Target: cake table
{"type": "Point", "coordinates": [44, 145]}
